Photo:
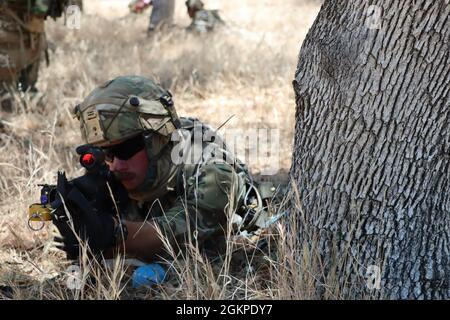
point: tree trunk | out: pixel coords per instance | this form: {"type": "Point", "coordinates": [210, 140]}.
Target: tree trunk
{"type": "Point", "coordinates": [372, 145]}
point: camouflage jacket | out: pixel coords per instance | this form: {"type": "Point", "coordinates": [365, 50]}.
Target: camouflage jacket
{"type": "Point", "coordinates": [205, 20]}
{"type": "Point", "coordinates": [196, 200]}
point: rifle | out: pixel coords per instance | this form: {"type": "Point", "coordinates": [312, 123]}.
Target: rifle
{"type": "Point", "coordinates": [95, 182]}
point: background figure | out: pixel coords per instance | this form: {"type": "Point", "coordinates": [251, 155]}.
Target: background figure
{"type": "Point", "coordinates": [202, 20]}
{"type": "Point", "coordinates": [162, 14]}
{"type": "Point", "coordinates": [23, 42]}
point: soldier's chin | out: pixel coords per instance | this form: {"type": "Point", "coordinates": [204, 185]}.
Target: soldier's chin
{"type": "Point", "coordinates": [130, 184]}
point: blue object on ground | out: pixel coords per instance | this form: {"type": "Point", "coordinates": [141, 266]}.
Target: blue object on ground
{"type": "Point", "coordinates": [148, 275]}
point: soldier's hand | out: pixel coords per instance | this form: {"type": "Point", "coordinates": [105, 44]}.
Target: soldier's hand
{"type": "Point", "coordinates": [79, 222]}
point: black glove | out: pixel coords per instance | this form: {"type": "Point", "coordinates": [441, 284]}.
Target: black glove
{"type": "Point", "coordinates": [93, 226]}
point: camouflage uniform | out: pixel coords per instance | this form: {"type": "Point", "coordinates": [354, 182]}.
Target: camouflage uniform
{"type": "Point", "coordinates": [185, 198]}
{"type": "Point", "coordinates": [22, 43]}
{"type": "Point", "coordinates": [162, 14]}
{"type": "Point", "coordinates": [202, 20]}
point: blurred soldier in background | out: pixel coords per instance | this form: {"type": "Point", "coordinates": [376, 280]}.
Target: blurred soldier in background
{"type": "Point", "coordinates": [162, 12]}
{"type": "Point", "coordinates": [22, 43]}
{"type": "Point", "coordinates": [202, 20]}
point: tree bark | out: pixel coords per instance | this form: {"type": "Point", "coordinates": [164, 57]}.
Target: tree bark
{"type": "Point", "coordinates": [372, 145]}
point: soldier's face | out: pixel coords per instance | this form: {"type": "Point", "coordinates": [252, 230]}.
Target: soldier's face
{"type": "Point", "coordinates": [132, 172]}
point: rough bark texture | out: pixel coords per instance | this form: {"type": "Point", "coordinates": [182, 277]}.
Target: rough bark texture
{"type": "Point", "coordinates": [372, 144]}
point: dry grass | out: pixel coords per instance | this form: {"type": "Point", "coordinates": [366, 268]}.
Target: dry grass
{"type": "Point", "coordinates": [245, 70]}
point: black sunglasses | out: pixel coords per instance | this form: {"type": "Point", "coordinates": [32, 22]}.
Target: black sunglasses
{"type": "Point", "coordinates": [125, 150]}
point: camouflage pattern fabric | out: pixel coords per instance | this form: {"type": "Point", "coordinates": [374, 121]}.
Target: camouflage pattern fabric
{"type": "Point", "coordinates": [162, 14]}
{"type": "Point", "coordinates": [205, 20]}
{"type": "Point", "coordinates": [22, 42]}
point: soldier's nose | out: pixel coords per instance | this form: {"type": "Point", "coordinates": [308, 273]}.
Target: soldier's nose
{"type": "Point", "coordinates": [118, 165]}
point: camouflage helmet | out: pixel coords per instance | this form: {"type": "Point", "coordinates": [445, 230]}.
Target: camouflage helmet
{"type": "Point", "coordinates": [123, 108]}
{"type": "Point", "coordinates": [195, 4]}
